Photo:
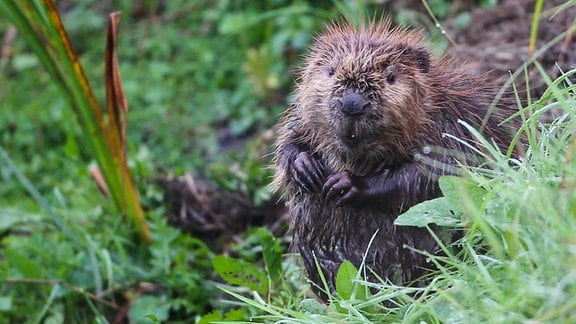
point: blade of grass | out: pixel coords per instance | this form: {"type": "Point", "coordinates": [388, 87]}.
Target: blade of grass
{"type": "Point", "coordinates": [117, 108]}
{"type": "Point", "coordinates": [53, 295]}
{"type": "Point", "coordinates": [116, 103]}
{"type": "Point", "coordinates": [534, 27]}
{"type": "Point", "coordinates": [36, 195]}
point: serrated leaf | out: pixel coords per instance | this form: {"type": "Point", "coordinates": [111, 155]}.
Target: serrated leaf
{"type": "Point", "coordinates": [235, 315]}
{"type": "Point", "coordinates": [214, 316]}
{"type": "Point", "coordinates": [346, 284]}
{"type": "Point", "coordinates": [437, 211]}
{"type": "Point", "coordinates": [241, 273]}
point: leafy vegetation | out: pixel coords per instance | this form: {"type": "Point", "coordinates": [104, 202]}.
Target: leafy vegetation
{"type": "Point", "coordinates": [205, 80]}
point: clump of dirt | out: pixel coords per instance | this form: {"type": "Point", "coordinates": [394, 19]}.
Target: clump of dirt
{"type": "Point", "coordinates": [198, 207]}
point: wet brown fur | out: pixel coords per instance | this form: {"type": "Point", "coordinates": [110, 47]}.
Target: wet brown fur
{"type": "Point", "coordinates": [414, 100]}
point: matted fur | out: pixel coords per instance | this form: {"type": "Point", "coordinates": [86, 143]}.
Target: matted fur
{"type": "Point", "coordinates": [413, 100]}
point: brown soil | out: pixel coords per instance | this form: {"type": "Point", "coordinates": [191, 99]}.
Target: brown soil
{"type": "Point", "coordinates": [498, 39]}
{"type": "Point", "coordinates": [214, 215]}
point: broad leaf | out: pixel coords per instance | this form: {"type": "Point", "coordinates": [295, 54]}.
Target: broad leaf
{"type": "Point", "coordinates": [241, 273]}
{"type": "Point", "coordinates": [272, 253]}
{"type": "Point", "coordinates": [437, 211]}
{"type": "Point", "coordinates": [346, 285]}
{"type": "Point", "coordinates": [463, 194]}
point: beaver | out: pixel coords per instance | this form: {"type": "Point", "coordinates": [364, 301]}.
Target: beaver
{"type": "Point", "coordinates": [371, 110]}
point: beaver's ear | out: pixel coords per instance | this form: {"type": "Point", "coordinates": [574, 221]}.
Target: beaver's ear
{"type": "Point", "coordinates": [423, 59]}
{"type": "Point", "coordinates": [415, 56]}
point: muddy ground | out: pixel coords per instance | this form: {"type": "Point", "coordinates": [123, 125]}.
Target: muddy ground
{"type": "Point", "coordinates": [498, 40]}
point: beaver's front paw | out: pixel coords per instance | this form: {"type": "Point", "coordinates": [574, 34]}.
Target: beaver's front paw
{"type": "Point", "coordinates": [341, 187]}
{"type": "Point", "coordinates": [308, 172]}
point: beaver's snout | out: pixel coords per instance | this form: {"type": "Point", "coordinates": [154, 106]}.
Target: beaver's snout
{"type": "Point", "coordinates": [353, 103]}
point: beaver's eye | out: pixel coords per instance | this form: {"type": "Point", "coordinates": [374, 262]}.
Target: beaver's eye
{"type": "Point", "coordinates": [330, 71]}
{"type": "Point", "coordinates": [391, 78]}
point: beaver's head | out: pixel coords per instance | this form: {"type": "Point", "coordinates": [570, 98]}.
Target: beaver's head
{"type": "Point", "coordinates": [365, 87]}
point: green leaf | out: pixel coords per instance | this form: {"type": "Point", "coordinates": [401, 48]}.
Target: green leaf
{"type": "Point", "coordinates": [33, 191]}
{"type": "Point", "coordinates": [217, 316]}
{"type": "Point", "coordinates": [443, 308]}
{"type": "Point", "coordinates": [22, 264]}
{"type": "Point", "coordinates": [346, 285]}
{"type": "Point", "coordinates": [235, 315]}
{"type": "Point", "coordinates": [463, 194]}
{"type": "Point", "coordinates": [11, 217]}
{"type": "Point", "coordinates": [5, 303]}
{"type": "Point", "coordinates": [437, 211]}
{"type": "Point", "coordinates": [153, 318]}
{"type": "Point", "coordinates": [214, 316]}
{"type": "Point", "coordinates": [534, 27]}
{"type": "Point", "coordinates": [149, 309]}
{"type": "Point", "coordinates": [241, 273]}
{"type": "Point", "coordinates": [272, 253]}
{"type": "Point", "coordinates": [312, 306]}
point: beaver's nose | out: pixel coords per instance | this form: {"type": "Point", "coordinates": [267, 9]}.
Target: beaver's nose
{"type": "Point", "coordinates": [353, 103]}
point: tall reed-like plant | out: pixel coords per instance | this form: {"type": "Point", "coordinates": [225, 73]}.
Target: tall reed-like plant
{"type": "Point", "coordinates": [103, 130]}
